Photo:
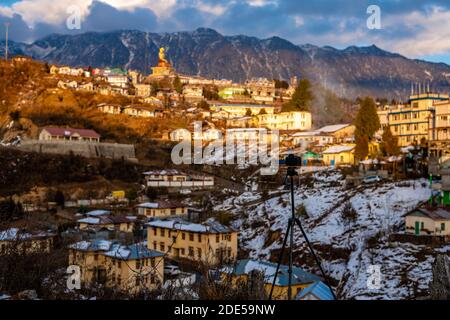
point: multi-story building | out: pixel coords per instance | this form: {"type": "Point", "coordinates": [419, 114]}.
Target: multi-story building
{"type": "Point", "coordinates": [129, 268]}
{"type": "Point", "coordinates": [305, 139]}
{"type": "Point", "coordinates": [118, 80]}
{"type": "Point", "coordinates": [414, 121]}
{"type": "Point", "coordinates": [111, 223]}
{"type": "Point", "coordinates": [240, 110]}
{"type": "Point", "coordinates": [286, 121]}
{"type": "Point", "coordinates": [210, 242]}
{"type": "Point", "coordinates": [18, 241]}
{"type": "Point", "coordinates": [261, 90]}
{"type": "Point", "coordinates": [143, 90]}
{"type": "Point", "coordinates": [193, 93]}
{"type": "Point", "coordinates": [440, 130]}
{"type": "Point", "coordinates": [175, 179]}
{"type": "Point", "coordinates": [162, 208]}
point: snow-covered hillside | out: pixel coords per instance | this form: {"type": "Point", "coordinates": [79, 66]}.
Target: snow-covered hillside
{"type": "Point", "coordinates": [350, 229]}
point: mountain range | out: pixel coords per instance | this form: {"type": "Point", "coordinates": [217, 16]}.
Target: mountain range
{"type": "Point", "coordinates": [351, 72]}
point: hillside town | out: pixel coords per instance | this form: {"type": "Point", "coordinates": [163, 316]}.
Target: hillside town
{"type": "Point", "coordinates": [91, 194]}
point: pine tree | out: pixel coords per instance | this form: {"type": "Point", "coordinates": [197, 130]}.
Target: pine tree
{"type": "Point", "coordinates": [389, 143]}
{"type": "Point", "coordinates": [301, 99]}
{"type": "Point", "coordinates": [367, 121]}
{"type": "Point", "coordinates": [362, 147]}
{"type": "Point", "coordinates": [177, 85]}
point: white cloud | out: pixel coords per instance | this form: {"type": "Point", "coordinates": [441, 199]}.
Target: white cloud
{"type": "Point", "coordinates": [299, 21]}
{"type": "Point", "coordinates": [216, 10]}
{"type": "Point", "coordinates": [6, 11]}
{"type": "Point", "coordinates": [262, 3]}
{"type": "Point", "coordinates": [432, 37]}
{"type": "Point", "coordinates": [48, 11]}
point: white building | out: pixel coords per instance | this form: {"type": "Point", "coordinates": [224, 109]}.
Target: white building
{"type": "Point", "coordinates": [177, 179]}
{"type": "Point", "coordinates": [300, 120]}
{"type": "Point", "coordinates": [118, 81]}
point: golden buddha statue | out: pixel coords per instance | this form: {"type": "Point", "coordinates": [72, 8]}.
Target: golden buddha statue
{"type": "Point", "coordinates": [164, 68]}
{"type": "Point", "coordinates": [162, 56]}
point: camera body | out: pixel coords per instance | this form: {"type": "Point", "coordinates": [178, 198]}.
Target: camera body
{"type": "Point", "coordinates": [293, 161]}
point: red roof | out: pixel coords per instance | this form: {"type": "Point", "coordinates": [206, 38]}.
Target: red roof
{"type": "Point", "coordinates": [85, 133]}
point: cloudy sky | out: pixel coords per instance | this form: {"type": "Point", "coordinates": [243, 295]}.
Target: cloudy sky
{"type": "Point", "coordinates": [414, 28]}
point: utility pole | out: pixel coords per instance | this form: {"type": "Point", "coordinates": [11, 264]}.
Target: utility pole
{"type": "Point", "coordinates": [7, 24]}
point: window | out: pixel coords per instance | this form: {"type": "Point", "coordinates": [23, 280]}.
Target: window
{"type": "Point", "coordinates": [199, 253]}
{"type": "Point", "coordinates": [155, 245]}
{"type": "Point", "coordinates": [199, 237]}
{"type": "Point", "coordinates": [152, 262]}
{"type": "Point", "coordinates": [182, 251]}
{"type": "Point", "coordinates": [95, 257]}
{"type": "Point", "coordinates": [163, 233]}
{"type": "Point", "coordinates": [422, 226]}
{"type": "Point", "coordinates": [119, 264]}
{"type": "Point", "coordinates": [155, 231]}
{"type": "Point", "coordinates": [191, 237]}
{"type": "Point", "coordinates": [162, 246]}
{"type": "Point", "coordinates": [138, 264]}
{"type": "Point", "coordinates": [183, 236]}
{"type": "Point", "coordinates": [217, 238]}
{"type": "Point", "coordinates": [173, 212]}
{"type": "Point", "coordinates": [443, 226]}
{"type": "Point", "coordinates": [191, 252]}
{"type": "Point", "coordinates": [152, 279]}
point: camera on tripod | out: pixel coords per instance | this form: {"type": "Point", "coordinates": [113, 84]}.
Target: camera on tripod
{"type": "Point", "coordinates": [293, 161]}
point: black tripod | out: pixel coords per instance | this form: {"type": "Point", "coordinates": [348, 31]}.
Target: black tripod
{"type": "Point", "coordinates": [293, 220]}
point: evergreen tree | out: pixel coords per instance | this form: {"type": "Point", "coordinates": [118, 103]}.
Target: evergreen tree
{"type": "Point", "coordinates": [177, 85]}
{"type": "Point", "coordinates": [367, 121]}
{"type": "Point", "coordinates": [301, 99]}
{"type": "Point", "coordinates": [362, 147]}
{"type": "Point", "coordinates": [389, 143]}
{"type": "Point", "coordinates": [203, 105]}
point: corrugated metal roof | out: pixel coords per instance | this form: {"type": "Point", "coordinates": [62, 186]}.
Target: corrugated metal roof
{"type": "Point", "coordinates": [268, 268]}
{"type": "Point", "coordinates": [319, 289]}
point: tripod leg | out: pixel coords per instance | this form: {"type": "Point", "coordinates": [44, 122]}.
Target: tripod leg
{"type": "Point", "coordinates": [315, 257]}
{"type": "Point", "coordinates": [280, 258]}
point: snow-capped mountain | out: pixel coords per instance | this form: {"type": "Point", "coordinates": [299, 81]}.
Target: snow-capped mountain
{"type": "Point", "coordinates": [354, 71]}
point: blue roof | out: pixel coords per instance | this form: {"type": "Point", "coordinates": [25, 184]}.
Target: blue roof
{"type": "Point", "coordinates": [300, 276]}
{"type": "Point", "coordinates": [118, 251]}
{"type": "Point", "coordinates": [319, 289]}
{"type": "Point", "coordinates": [96, 213]}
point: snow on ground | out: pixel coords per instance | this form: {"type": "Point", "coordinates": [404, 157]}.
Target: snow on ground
{"type": "Point", "coordinates": [405, 268]}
